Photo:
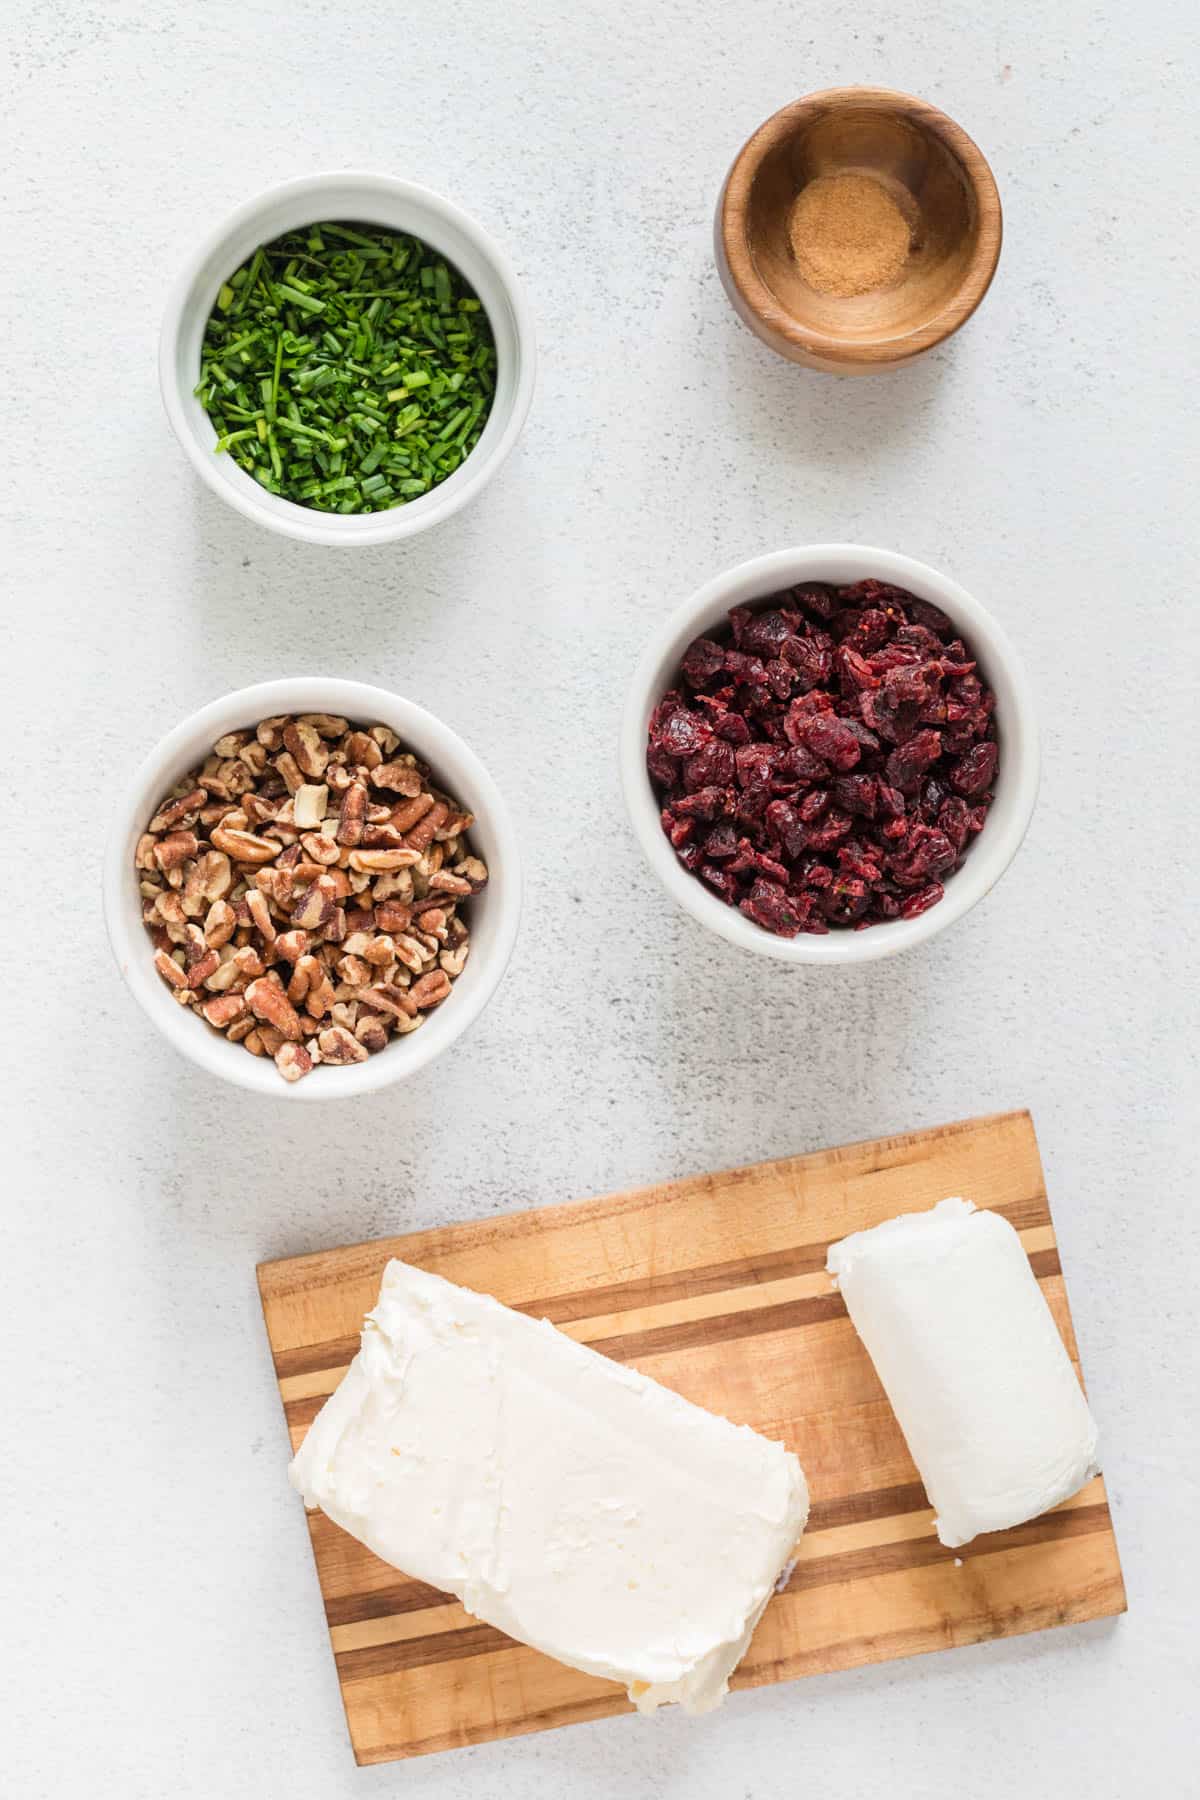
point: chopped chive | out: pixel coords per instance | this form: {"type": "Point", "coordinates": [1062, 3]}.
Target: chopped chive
{"type": "Point", "coordinates": [347, 368]}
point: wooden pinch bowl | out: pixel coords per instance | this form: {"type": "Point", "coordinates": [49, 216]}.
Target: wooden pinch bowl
{"type": "Point", "coordinates": [938, 176]}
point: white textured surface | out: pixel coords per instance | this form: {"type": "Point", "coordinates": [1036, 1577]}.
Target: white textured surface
{"type": "Point", "coordinates": [161, 1614]}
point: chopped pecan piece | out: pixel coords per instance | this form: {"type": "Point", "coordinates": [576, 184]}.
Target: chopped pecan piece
{"type": "Point", "coordinates": [379, 862]}
{"type": "Point", "coordinates": [352, 817]}
{"type": "Point", "coordinates": [310, 852]}
{"type": "Point", "coordinates": [243, 846]}
{"type": "Point", "coordinates": [388, 999]}
{"type": "Point", "coordinates": [339, 1046]}
{"type": "Point", "coordinates": [410, 812]}
{"type": "Point", "coordinates": [170, 970]}
{"type": "Point", "coordinates": [371, 1033]}
{"type": "Point", "coordinates": [222, 1011]}
{"type": "Point", "coordinates": [326, 725]}
{"type": "Point", "coordinates": [293, 1061]}
{"type": "Point", "coordinates": [175, 849]}
{"type": "Point", "coordinates": [307, 750]}
{"type": "Point", "coordinates": [362, 750]}
{"type": "Point", "coordinates": [271, 1004]}
{"type": "Point", "coordinates": [183, 811]}
{"type": "Point", "coordinates": [401, 777]}
{"type": "Point", "coordinates": [308, 806]}
{"type": "Point", "coordinates": [431, 990]}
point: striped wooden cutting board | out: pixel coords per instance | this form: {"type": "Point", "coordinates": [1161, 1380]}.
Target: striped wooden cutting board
{"type": "Point", "coordinates": [716, 1287]}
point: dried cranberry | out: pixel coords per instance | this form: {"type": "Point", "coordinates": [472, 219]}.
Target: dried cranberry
{"type": "Point", "coordinates": [751, 806]}
{"type": "Point", "coordinates": [866, 738]}
{"type": "Point", "coordinates": [845, 899]}
{"type": "Point", "coordinates": [954, 818]}
{"type": "Point", "coordinates": [779, 678]}
{"type": "Point", "coordinates": [871, 631]}
{"type": "Point", "coordinates": [921, 901]}
{"type": "Point", "coordinates": [814, 873]}
{"type": "Point", "coordinates": [810, 660]}
{"type": "Point", "coordinates": [857, 794]}
{"type": "Point", "coordinates": [786, 827]}
{"type": "Point", "coordinates": [891, 721]}
{"type": "Point", "coordinates": [829, 737]}
{"type": "Point", "coordinates": [721, 842]}
{"type": "Point", "coordinates": [703, 661]}
{"type": "Point", "coordinates": [922, 613]}
{"type": "Point", "coordinates": [907, 764]}
{"type": "Point", "coordinates": [919, 637]}
{"type": "Point", "coordinates": [913, 684]}
{"type": "Point", "coordinates": [739, 618]}
{"type": "Point", "coordinates": [925, 852]}
{"type": "Point", "coordinates": [678, 830]}
{"type": "Point", "coordinates": [769, 905]}
{"type": "Point", "coordinates": [933, 793]}
{"type": "Point", "coordinates": [661, 764]}
{"type": "Point", "coordinates": [895, 656]}
{"type": "Point", "coordinates": [958, 738]}
{"type": "Point", "coordinates": [976, 771]}
{"type": "Point", "coordinates": [706, 803]}
{"type": "Point", "coordinates": [755, 764]}
{"type": "Point", "coordinates": [835, 761]}
{"type": "Point", "coordinates": [713, 766]}
{"type": "Point", "coordinates": [733, 729]}
{"type": "Point", "coordinates": [721, 880]}
{"type": "Point", "coordinates": [890, 802]}
{"type": "Point", "coordinates": [802, 768]}
{"type": "Point", "coordinates": [827, 831]}
{"type": "Point", "coordinates": [854, 671]}
{"type": "Point", "coordinates": [765, 633]}
{"type": "Point", "coordinates": [817, 597]}
{"type": "Point", "coordinates": [876, 593]}
{"type": "Point", "coordinates": [853, 859]}
{"type": "Point", "coordinates": [683, 733]}
{"type": "Point", "coordinates": [748, 669]}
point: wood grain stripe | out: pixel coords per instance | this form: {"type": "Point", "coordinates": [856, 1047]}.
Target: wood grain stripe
{"type": "Point", "coordinates": [303, 1408]}
{"type": "Point", "coordinates": [852, 1565]}
{"type": "Point", "coordinates": [630, 1296]}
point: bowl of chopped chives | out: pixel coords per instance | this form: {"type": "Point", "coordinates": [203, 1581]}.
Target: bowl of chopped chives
{"type": "Point", "coordinates": [347, 359]}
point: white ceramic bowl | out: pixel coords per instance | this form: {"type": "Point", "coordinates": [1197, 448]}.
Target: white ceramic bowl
{"type": "Point", "coordinates": [376, 200]}
{"type": "Point", "coordinates": [1016, 786]}
{"type": "Point", "coordinates": [493, 915]}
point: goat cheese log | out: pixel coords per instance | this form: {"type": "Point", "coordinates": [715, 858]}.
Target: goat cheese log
{"type": "Point", "coordinates": [572, 1503]}
{"type": "Point", "coordinates": [971, 1359]}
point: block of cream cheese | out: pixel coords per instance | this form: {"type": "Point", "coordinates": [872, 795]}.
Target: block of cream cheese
{"type": "Point", "coordinates": [970, 1358]}
{"type": "Point", "coordinates": [573, 1503]}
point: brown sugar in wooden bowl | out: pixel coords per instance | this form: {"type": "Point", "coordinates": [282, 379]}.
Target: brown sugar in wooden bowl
{"type": "Point", "coordinates": [927, 168]}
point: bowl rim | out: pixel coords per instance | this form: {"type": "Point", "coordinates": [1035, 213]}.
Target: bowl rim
{"type": "Point", "coordinates": [733, 204]}
{"type": "Point", "coordinates": [425, 733]}
{"type": "Point", "coordinates": [285, 516]}
{"type": "Point", "coordinates": [990, 855]}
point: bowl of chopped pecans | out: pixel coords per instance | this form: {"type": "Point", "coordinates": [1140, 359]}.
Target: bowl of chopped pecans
{"type": "Point", "coordinates": [312, 887]}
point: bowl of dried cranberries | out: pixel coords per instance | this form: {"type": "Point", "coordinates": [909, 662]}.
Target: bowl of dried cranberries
{"type": "Point", "coordinates": [829, 754]}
